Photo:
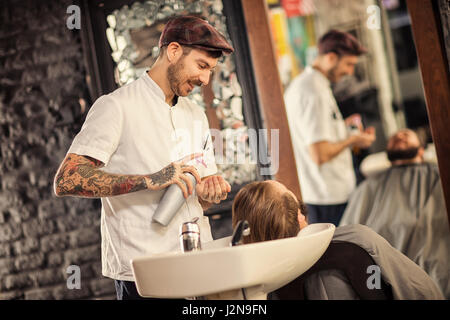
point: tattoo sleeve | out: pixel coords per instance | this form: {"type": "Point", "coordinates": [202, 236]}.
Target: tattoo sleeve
{"type": "Point", "coordinates": [82, 176]}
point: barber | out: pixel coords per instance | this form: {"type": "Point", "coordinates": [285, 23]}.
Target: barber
{"type": "Point", "coordinates": [140, 139]}
{"type": "Point", "coordinates": [319, 133]}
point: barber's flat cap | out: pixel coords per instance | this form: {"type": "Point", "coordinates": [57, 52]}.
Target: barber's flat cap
{"type": "Point", "coordinates": [196, 32]}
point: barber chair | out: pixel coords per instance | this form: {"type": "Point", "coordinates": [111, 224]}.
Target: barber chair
{"type": "Point", "coordinates": [347, 257]}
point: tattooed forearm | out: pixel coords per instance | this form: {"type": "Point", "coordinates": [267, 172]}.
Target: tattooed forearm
{"type": "Point", "coordinates": [162, 177]}
{"type": "Point", "coordinates": [81, 176]}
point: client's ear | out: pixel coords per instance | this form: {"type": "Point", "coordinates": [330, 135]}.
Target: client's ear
{"type": "Point", "coordinates": [301, 219]}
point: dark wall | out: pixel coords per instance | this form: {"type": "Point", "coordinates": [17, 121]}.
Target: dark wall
{"type": "Point", "coordinates": [42, 80]}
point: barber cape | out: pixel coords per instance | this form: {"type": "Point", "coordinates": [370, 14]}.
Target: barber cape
{"type": "Point", "coordinates": [407, 280]}
{"type": "Point", "coordinates": [405, 205]}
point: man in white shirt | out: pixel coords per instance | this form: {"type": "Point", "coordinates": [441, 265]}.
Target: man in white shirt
{"type": "Point", "coordinates": [140, 139]}
{"type": "Point", "coordinates": [319, 133]}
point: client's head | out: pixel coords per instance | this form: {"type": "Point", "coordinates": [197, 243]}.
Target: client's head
{"type": "Point", "coordinates": [272, 211]}
{"type": "Point", "coordinates": [404, 147]}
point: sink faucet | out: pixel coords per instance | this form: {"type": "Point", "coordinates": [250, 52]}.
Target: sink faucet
{"type": "Point", "coordinates": [242, 229]}
{"type": "Point", "coordinates": [190, 236]}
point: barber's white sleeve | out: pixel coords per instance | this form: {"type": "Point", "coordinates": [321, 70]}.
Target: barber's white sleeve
{"type": "Point", "coordinates": [100, 134]}
{"type": "Point", "coordinates": [315, 120]}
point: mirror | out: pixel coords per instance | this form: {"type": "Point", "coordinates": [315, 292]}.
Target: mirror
{"type": "Point", "coordinates": [386, 90]}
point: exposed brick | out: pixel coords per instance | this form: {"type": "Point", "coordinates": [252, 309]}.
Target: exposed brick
{"type": "Point", "coordinates": [19, 214]}
{"type": "Point", "coordinates": [83, 237]}
{"type": "Point", "coordinates": [55, 259]}
{"type": "Point", "coordinates": [51, 207]}
{"type": "Point", "coordinates": [97, 268]}
{"type": "Point", "coordinates": [25, 41]}
{"type": "Point", "coordinates": [25, 246]}
{"type": "Point", "coordinates": [16, 281]}
{"type": "Point", "coordinates": [70, 222]}
{"type": "Point", "coordinates": [46, 277]}
{"type": "Point", "coordinates": [2, 218]}
{"type": "Point", "coordinates": [63, 293]}
{"type": "Point", "coordinates": [34, 75]}
{"type": "Point", "coordinates": [6, 266]}
{"type": "Point", "coordinates": [9, 181]}
{"type": "Point", "coordinates": [52, 53]}
{"type": "Point", "coordinates": [41, 73]}
{"type": "Point", "coordinates": [39, 294]}
{"type": "Point", "coordinates": [61, 69]}
{"type": "Point", "coordinates": [29, 262]}
{"type": "Point", "coordinates": [87, 272]}
{"type": "Point", "coordinates": [36, 227]}
{"type": "Point", "coordinates": [11, 295]}
{"type": "Point", "coordinates": [102, 286]}
{"type": "Point", "coordinates": [10, 232]}
{"type": "Point", "coordinates": [82, 255]}
{"type": "Point", "coordinates": [5, 250]}
{"type": "Point", "coordinates": [55, 242]}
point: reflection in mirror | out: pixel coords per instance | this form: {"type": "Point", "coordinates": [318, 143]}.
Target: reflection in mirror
{"type": "Point", "coordinates": [397, 193]}
{"type": "Point", "coordinates": [133, 35]}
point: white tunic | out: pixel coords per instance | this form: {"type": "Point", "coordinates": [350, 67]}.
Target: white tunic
{"type": "Point", "coordinates": [134, 131]}
{"type": "Point", "coordinates": [314, 116]}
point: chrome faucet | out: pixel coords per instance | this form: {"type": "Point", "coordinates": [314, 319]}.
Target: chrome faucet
{"type": "Point", "coordinates": [190, 236]}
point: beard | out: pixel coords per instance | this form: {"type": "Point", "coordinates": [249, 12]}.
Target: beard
{"type": "Point", "coordinates": [332, 75]}
{"type": "Point", "coordinates": [177, 77]}
{"type": "Point", "coordinates": [405, 154]}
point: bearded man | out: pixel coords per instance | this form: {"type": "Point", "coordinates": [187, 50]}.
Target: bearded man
{"type": "Point", "coordinates": [143, 137]}
{"type": "Point", "coordinates": [405, 205]}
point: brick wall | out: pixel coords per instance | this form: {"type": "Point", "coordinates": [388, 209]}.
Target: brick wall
{"type": "Point", "coordinates": [41, 82]}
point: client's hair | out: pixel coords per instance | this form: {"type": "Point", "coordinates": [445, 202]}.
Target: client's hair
{"type": "Point", "coordinates": [270, 216]}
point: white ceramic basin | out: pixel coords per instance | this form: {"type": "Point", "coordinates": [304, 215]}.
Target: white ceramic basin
{"type": "Point", "coordinates": [220, 271]}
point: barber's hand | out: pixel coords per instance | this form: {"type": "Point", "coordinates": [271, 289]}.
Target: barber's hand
{"type": "Point", "coordinates": [175, 173]}
{"type": "Point", "coordinates": [364, 139]}
{"type": "Point", "coordinates": [213, 189]}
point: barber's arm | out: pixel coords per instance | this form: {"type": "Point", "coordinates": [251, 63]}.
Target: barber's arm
{"type": "Point", "coordinates": [324, 151]}
{"type": "Point", "coordinates": [80, 176]}
{"type": "Point", "coordinates": [212, 189]}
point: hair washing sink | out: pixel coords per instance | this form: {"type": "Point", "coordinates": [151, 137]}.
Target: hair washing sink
{"type": "Point", "coordinates": [221, 271]}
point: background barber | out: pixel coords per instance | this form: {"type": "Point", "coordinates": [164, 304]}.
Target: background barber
{"type": "Point", "coordinates": [320, 138]}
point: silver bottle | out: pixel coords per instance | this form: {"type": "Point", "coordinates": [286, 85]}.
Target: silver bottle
{"type": "Point", "coordinates": [190, 236]}
{"type": "Point", "coordinates": [171, 202]}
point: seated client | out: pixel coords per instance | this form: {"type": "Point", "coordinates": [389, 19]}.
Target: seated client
{"type": "Point", "coordinates": [405, 205]}
{"type": "Point", "coordinates": [273, 212]}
